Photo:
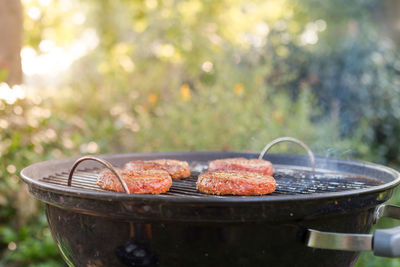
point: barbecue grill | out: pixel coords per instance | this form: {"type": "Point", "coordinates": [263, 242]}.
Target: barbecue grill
{"type": "Point", "coordinates": [316, 216]}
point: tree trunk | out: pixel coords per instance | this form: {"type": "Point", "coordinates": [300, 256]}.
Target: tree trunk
{"type": "Point", "coordinates": [11, 41]}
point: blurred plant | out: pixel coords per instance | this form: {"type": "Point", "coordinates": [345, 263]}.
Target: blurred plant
{"type": "Point", "coordinates": [25, 136]}
{"type": "Point", "coordinates": [30, 245]}
{"type": "Point", "coordinates": [163, 75]}
{"type": "Point", "coordinates": [352, 70]}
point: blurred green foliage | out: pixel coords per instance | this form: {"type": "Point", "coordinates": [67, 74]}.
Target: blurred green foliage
{"type": "Point", "coordinates": [171, 75]}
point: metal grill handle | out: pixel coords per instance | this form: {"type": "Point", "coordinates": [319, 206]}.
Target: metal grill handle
{"type": "Point", "coordinates": [383, 242]}
{"type": "Point", "coordinates": [293, 140]}
{"type": "Point", "coordinates": [102, 161]}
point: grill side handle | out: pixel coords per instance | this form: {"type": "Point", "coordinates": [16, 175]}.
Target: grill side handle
{"type": "Point", "coordinates": [383, 242]}
{"type": "Point", "coordinates": [386, 242]}
{"type": "Point", "coordinates": [102, 161]}
{"type": "Point", "coordinates": [293, 140]}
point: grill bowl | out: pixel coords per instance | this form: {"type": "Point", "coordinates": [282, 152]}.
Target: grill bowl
{"type": "Point", "coordinates": [185, 227]}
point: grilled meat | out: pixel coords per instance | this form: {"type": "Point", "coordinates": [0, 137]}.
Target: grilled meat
{"type": "Point", "coordinates": [235, 183]}
{"type": "Point", "coordinates": [138, 182]}
{"type": "Point", "coordinates": [176, 168]}
{"type": "Point", "coordinates": [242, 164]}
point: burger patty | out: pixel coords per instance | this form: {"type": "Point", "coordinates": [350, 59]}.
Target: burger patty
{"type": "Point", "coordinates": [138, 182]}
{"type": "Point", "coordinates": [176, 168]}
{"type": "Point", "coordinates": [240, 183]}
{"type": "Point", "coordinates": [242, 164]}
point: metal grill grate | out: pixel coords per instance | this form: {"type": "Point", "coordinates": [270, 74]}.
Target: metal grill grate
{"type": "Point", "coordinates": [289, 182]}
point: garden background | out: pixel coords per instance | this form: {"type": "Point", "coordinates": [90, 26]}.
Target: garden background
{"type": "Point", "coordinates": [119, 76]}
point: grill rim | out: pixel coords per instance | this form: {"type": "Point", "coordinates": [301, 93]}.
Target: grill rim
{"type": "Point", "coordinates": [206, 155]}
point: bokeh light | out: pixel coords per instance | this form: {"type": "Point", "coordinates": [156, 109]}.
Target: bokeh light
{"type": "Point", "coordinates": [175, 75]}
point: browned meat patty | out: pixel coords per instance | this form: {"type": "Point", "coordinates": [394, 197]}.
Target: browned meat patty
{"type": "Point", "coordinates": [242, 164]}
{"type": "Point", "coordinates": [138, 182]}
{"type": "Point", "coordinates": [240, 183]}
{"type": "Point", "coordinates": [176, 168]}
